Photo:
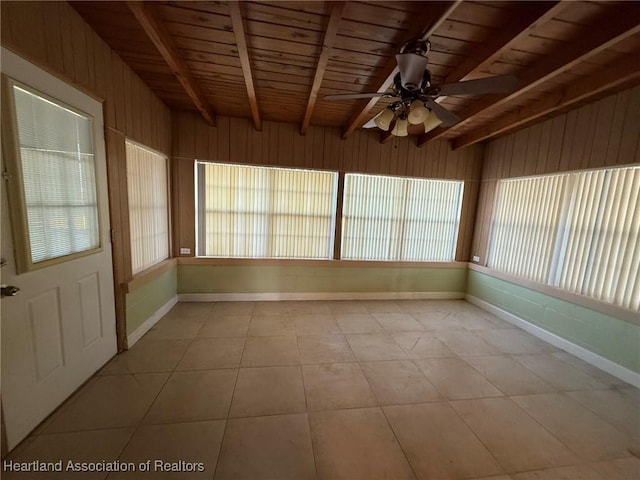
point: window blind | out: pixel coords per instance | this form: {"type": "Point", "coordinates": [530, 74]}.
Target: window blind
{"type": "Point", "coordinates": [58, 176]}
{"type": "Point", "coordinates": [265, 212]}
{"type": "Point", "coordinates": [577, 231]}
{"type": "Point", "coordinates": [147, 189]}
{"type": "Point", "coordinates": [393, 218]}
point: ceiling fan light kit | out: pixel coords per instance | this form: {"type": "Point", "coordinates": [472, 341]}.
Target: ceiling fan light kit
{"type": "Point", "coordinates": [417, 95]}
{"type": "Point", "coordinates": [401, 127]}
{"type": "Point", "coordinates": [384, 118]}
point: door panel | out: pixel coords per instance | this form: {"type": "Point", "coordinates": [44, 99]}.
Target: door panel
{"type": "Point", "coordinates": [60, 328]}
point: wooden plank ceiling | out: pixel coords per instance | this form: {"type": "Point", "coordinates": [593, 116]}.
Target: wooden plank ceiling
{"type": "Point", "coordinates": [277, 60]}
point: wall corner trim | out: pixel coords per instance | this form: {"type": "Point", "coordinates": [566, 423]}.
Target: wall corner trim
{"type": "Point", "coordinates": [594, 359]}
{"type": "Point", "coordinates": [138, 333]}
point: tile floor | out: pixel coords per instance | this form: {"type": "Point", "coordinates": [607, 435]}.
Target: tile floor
{"type": "Point", "coordinates": [346, 390]}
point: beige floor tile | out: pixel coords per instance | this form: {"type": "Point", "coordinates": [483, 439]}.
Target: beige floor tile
{"type": "Point", "coordinates": [515, 342]}
{"type": "Point", "coordinates": [575, 472]}
{"type": "Point", "coordinates": [270, 351]}
{"type": "Point", "coordinates": [324, 349]}
{"type": "Point", "coordinates": [473, 322]}
{"type": "Point", "coordinates": [439, 445]}
{"type": "Point", "coordinates": [271, 325]}
{"type": "Point", "coordinates": [147, 356]}
{"type": "Point", "coordinates": [232, 308]}
{"type": "Point", "coordinates": [397, 322]}
{"type": "Point", "coordinates": [193, 396]}
{"type": "Point", "coordinates": [455, 379]}
{"type": "Point", "coordinates": [600, 375]}
{"type": "Point", "coordinates": [620, 469]}
{"type": "Point", "coordinates": [358, 323]}
{"type": "Point", "coordinates": [225, 326]}
{"type": "Point", "coordinates": [267, 448]}
{"type": "Point", "coordinates": [194, 443]}
{"type": "Point", "coordinates": [508, 375]}
{"type": "Point", "coordinates": [209, 353]}
{"type": "Point", "coordinates": [437, 320]}
{"type": "Point", "coordinates": [272, 308]}
{"type": "Point", "coordinates": [191, 309]}
{"type": "Point", "coordinates": [396, 382]}
{"type": "Point", "coordinates": [316, 324]}
{"type": "Point", "coordinates": [338, 385]}
{"type": "Point", "coordinates": [375, 346]}
{"type": "Point", "coordinates": [558, 373]}
{"type": "Point", "coordinates": [356, 445]}
{"type": "Point", "coordinates": [109, 402]}
{"type": "Point", "coordinates": [313, 307]}
{"type": "Point", "coordinates": [91, 446]}
{"type": "Point", "coordinates": [172, 327]}
{"type": "Point", "coordinates": [417, 305]}
{"type": "Point", "coordinates": [618, 409]}
{"type": "Point", "coordinates": [466, 343]}
{"type": "Point", "coordinates": [382, 306]}
{"type": "Point", "coordinates": [422, 345]}
{"type": "Point", "coordinates": [268, 391]}
{"type": "Point", "coordinates": [512, 436]}
{"type": "Point", "coordinates": [347, 306]}
{"type": "Point", "coordinates": [580, 429]}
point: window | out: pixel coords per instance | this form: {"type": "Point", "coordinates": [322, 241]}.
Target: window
{"type": "Point", "coordinates": [147, 189]}
{"type": "Point", "coordinates": [260, 212]}
{"type": "Point", "coordinates": [392, 218]}
{"type": "Point", "coordinates": [57, 169]}
{"type": "Point", "coordinates": [578, 231]}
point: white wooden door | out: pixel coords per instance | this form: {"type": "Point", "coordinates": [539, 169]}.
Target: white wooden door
{"type": "Point", "coordinates": [60, 328]}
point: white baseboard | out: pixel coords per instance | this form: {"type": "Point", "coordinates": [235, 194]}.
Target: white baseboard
{"type": "Point", "coordinates": [150, 322]}
{"type": "Point", "coordinates": [588, 356]}
{"type": "Point", "coordinates": [275, 296]}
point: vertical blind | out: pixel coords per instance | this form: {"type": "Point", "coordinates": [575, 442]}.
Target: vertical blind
{"type": "Point", "coordinates": [147, 189]}
{"type": "Point", "coordinates": [264, 212]}
{"type": "Point", "coordinates": [392, 218]}
{"type": "Point", "coordinates": [578, 231]}
{"type": "Point", "coordinates": [58, 176]}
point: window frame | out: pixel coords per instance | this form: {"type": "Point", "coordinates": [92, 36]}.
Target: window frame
{"type": "Point", "coordinates": [200, 211]}
{"type": "Point", "coordinates": [557, 259]}
{"type": "Point", "coordinates": [168, 212]}
{"type": "Point", "coordinates": [16, 199]}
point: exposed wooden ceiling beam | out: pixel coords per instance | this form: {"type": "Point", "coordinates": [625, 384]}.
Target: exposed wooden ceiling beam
{"type": "Point", "coordinates": [161, 38]}
{"type": "Point", "coordinates": [620, 24]}
{"type": "Point", "coordinates": [529, 15]}
{"type": "Point", "coordinates": [612, 75]}
{"type": "Point", "coordinates": [245, 62]}
{"type": "Point", "coordinates": [389, 70]}
{"type": "Point", "coordinates": [330, 34]}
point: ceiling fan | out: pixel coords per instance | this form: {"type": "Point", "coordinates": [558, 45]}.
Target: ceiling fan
{"type": "Point", "coordinates": [416, 94]}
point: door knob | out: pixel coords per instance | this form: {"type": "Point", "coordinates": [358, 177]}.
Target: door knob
{"type": "Point", "coordinates": [8, 291]}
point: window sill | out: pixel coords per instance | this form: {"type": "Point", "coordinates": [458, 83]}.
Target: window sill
{"type": "Point", "coordinates": [289, 262]}
{"type": "Point", "coordinates": [142, 278]}
{"type": "Point", "coordinates": [625, 314]}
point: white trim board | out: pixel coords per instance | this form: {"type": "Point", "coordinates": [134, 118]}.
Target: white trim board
{"type": "Point", "coordinates": [276, 296]}
{"type": "Point", "coordinates": [588, 356]}
{"type": "Point", "coordinates": [137, 334]}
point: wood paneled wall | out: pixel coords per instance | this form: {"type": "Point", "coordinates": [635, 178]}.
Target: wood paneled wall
{"type": "Point", "coordinates": [601, 134]}
{"type": "Point", "coordinates": [53, 36]}
{"type": "Point", "coordinates": [279, 144]}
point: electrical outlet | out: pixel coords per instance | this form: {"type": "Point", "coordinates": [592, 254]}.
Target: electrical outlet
{"type": "Point", "coordinates": [476, 259]}
{"type": "Point", "coordinates": [185, 251]}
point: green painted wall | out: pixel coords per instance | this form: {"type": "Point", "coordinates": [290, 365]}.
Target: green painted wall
{"type": "Point", "coordinates": [300, 279]}
{"type": "Point", "coordinates": [607, 336]}
{"type": "Point", "coordinates": [145, 301]}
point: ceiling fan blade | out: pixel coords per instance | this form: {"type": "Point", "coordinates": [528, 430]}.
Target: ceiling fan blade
{"type": "Point", "coordinates": [448, 118]}
{"type": "Point", "coordinates": [498, 84]}
{"type": "Point", "coordinates": [350, 96]}
{"type": "Point", "coordinates": [412, 67]}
